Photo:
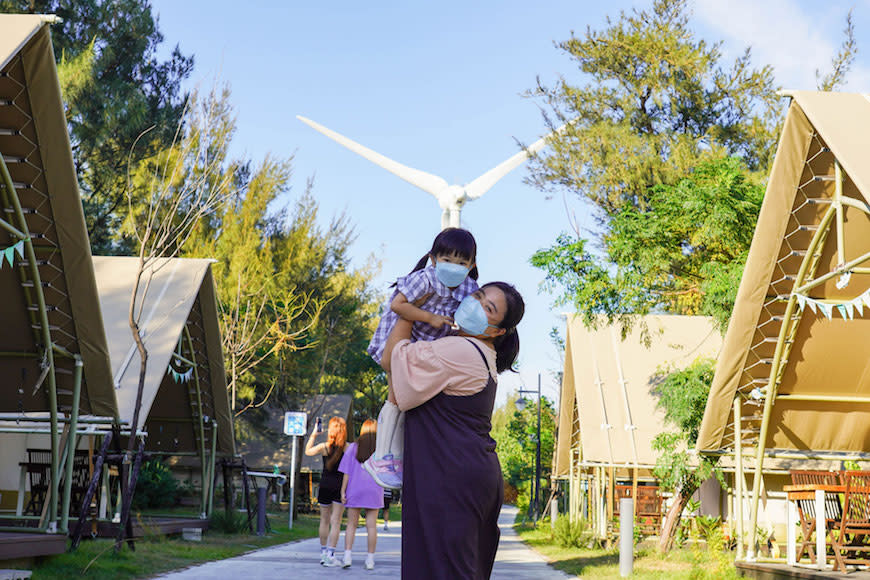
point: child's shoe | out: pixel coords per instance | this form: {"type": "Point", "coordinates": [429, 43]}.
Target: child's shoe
{"type": "Point", "coordinates": [370, 562]}
{"type": "Point", "coordinates": [332, 562]}
{"type": "Point", "coordinates": [386, 472]}
{"type": "Point", "coordinates": [348, 559]}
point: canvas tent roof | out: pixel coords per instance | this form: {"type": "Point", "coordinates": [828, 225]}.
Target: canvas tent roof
{"type": "Point", "coordinates": [796, 345]}
{"type": "Point", "coordinates": [180, 296]}
{"type": "Point", "coordinates": [36, 150]}
{"type": "Point", "coordinates": [597, 361]}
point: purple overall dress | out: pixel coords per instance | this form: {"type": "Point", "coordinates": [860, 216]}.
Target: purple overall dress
{"type": "Point", "coordinates": [453, 489]}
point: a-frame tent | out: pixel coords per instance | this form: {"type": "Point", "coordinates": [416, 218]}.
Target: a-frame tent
{"type": "Point", "coordinates": [608, 413]}
{"type": "Point", "coordinates": [793, 379]}
{"type": "Point", "coordinates": [185, 408]}
{"type": "Point", "coordinates": [53, 351]}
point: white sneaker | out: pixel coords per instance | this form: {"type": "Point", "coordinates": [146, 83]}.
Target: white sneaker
{"type": "Point", "coordinates": [386, 526]}
{"type": "Point", "coordinates": [370, 564]}
{"type": "Point", "coordinates": [323, 556]}
{"type": "Point", "coordinates": [332, 562]}
{"type": "Point", "coordinates": [348, 560]}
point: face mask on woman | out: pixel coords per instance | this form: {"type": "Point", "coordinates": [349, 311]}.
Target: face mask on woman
{"type": "Point", "coordinates": [471, 317]}
{"type": "Point", "coordinates": [450, 274]}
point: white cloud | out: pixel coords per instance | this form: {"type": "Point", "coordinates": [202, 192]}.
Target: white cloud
{"type": "Point", "coordinates": [797, 38]}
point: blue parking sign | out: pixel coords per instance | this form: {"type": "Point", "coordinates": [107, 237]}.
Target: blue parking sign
{"type": "Point", "coordinates": [295, 423]}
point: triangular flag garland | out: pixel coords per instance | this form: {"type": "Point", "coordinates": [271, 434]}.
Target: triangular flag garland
{"type": "Point", "coordinates": [8, 254]}
{"type": "Point", "coordinates": [848, 309]}
{"type": "Point", "coordinates": [181, 377]}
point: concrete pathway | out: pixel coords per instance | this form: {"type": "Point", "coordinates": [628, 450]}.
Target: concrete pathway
{"type": "Point", "coordinates": [301, 559]}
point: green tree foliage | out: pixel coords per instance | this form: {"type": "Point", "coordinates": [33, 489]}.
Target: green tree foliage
{"type": "Point", "coordinates": [682, 252]}
{"type": "Point", "coordinates": [115, 88]}
{"type": "Point", "coordinates": [683, 397]}
{"type": "Point", "coordinates": [515, 433]}
{"type": "Point", "coordinates": [655, 102]}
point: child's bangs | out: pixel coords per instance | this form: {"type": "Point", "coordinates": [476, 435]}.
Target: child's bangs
{"type": "Point", "coordinates": [455, 242]}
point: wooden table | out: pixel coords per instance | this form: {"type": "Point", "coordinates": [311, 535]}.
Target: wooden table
{"type": "Point", "coordinates": [815, 492]}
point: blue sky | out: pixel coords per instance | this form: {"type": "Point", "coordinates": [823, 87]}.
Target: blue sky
{"type": "Point", "coordinates": [438, 87]}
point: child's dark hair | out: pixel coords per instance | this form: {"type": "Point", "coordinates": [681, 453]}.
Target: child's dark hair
{"type": "Point", "coordinates": [507, 345]}
{"type": "Point", "coordinates": [452, 241]}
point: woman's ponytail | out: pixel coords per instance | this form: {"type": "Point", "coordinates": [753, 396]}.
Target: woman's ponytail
{"type": "Point", "coordinates": [507, 345]}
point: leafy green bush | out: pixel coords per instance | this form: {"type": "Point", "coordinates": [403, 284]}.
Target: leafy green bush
{"type": "Point", "coordinates": [570, 534]}
{"type": "Point", "coordinates": [156, 487]}
{"type": "Point", "coordinates": [232, 522]}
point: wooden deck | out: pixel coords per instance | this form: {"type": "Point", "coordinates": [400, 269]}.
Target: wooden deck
{"type": "Point", "coordinates": [21, 545]}
{"type": "Point", "coordinates": [149, 525]}
{"type": "Point", "coordinates": [765, 571]}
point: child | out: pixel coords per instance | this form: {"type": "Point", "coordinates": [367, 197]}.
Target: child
{"type": "Point", "coordinates": [359, 491]}
{"type": "Point", "coordinates": [428, 296]}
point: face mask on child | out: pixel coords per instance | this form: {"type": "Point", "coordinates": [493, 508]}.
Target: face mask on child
{"type": "Point", "coordinates": [449, 274]}
{"type": "Point", "coordinates": [471, 317]}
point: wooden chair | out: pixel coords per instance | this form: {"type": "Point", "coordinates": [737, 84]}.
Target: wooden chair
{"type": "Point", "coordinates": [853, 540]}
{"type": "Point", "coordinates": [807, 509]}
{"type": "Point", "coordinates": [38, 466]}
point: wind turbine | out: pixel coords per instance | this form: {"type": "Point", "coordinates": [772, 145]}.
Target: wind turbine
{"type": "Point", "coordinates": [451, 198]}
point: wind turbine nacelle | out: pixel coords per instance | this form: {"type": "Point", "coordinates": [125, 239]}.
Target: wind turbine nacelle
{"type": "Point", "coordinates": [453, 197]}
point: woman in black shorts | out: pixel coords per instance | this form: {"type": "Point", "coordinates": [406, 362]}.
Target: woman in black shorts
{"type": "Point", "coordinates": [329, 492]}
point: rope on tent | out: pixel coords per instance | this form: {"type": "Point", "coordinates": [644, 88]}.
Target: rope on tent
{"type": "Point", "coordinates": [629, 425]}
{"type": "Point", "coordinates": [606, 426]}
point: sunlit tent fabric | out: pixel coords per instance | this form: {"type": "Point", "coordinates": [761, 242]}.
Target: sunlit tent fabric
{"type": "Point", "coordinates": [796, 346]}
{"type": "Point", "coordinates": [179, 315]}
{"type": "Point", "coordinates": [608, 406]}
{"type": "Point", "coordinates": [36, 150]}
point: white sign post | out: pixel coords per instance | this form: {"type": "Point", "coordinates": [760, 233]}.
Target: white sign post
{"type": "Point", "coordinates": [294, 425]}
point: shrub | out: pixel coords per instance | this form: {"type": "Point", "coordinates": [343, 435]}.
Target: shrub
{"type": "Point", "coordinates": [569, 534]}
{"type": "Point", "coordinates": [231, 522]}
{"type": "Point", "coordinates": [156, 486]}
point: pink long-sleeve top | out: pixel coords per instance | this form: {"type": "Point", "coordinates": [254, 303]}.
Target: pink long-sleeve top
{"type": "Point", "coordinates": [421, 370]}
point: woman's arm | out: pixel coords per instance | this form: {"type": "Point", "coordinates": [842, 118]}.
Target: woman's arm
{"type": "Point", "coordinates": [311, 448]}
{"type": "Point", "coordinates": [401, 331]}
{"type": "Point", "coordinates": [344, 488]}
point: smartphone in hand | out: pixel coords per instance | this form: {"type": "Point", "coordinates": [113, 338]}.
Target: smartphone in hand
{"type": "Point", "coordinates": [318, 425]}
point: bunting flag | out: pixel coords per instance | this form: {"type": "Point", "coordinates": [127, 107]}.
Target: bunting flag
{"type": "Point", "coordinates": [181, 377]}
{"type": "Point", "coordinates": [8, 254]}
{"type": "Point", "coordinates": [827, 309]}
{"type": "Point", "coordinates": [847, 309]}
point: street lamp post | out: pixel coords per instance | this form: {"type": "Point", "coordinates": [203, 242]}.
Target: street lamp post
{"type": "Point", "coordinates": [534, 501]}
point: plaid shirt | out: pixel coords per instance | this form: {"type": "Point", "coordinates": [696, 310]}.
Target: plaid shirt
{"type": "Point", "coordinates": [414, 286]}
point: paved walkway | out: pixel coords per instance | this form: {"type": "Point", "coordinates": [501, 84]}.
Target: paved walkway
{"type": "Point", "coordinates": [301, 559]}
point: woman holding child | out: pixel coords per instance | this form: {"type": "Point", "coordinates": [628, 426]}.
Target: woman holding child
{"type": "Point", "coordinates": [452, 486]}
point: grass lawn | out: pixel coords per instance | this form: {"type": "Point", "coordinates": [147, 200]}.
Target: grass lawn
{"type": "Point", "coordinates": [157, 554]}
{"type": "Point", "coordinates": [686, 562]}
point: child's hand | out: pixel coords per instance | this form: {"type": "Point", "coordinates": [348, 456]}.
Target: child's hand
{"type": "Point", "coordinates": [437, 321]}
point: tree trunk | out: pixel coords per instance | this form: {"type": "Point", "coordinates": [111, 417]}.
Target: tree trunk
{"type": "Point", "coordinates": [672, 518]}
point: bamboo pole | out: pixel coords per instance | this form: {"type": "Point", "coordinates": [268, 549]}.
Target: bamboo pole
{"type": "Point", "coordinates": [838, 205]}
{"type": "Point", "coordinates": [738, 474]}
{"type": "Point", "coordinates": [46, 338]}
{"type": "Point", "coordinates": [811, 257]}
{"type": "Point", "coordinates": [71, 447]}
{"type": "Point", "coordinates": [203, 467]}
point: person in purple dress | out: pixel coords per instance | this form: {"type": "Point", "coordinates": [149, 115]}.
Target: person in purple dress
{"type": "Point", "coordinates": [360, 492]}
{"type": "Point", "coordinates": [453, 489]}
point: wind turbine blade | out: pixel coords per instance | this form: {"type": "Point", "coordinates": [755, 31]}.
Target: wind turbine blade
{"type": "Point", "coordinates": [483, 183]}
{"type": "Point", "coordinates": [425, 181]}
